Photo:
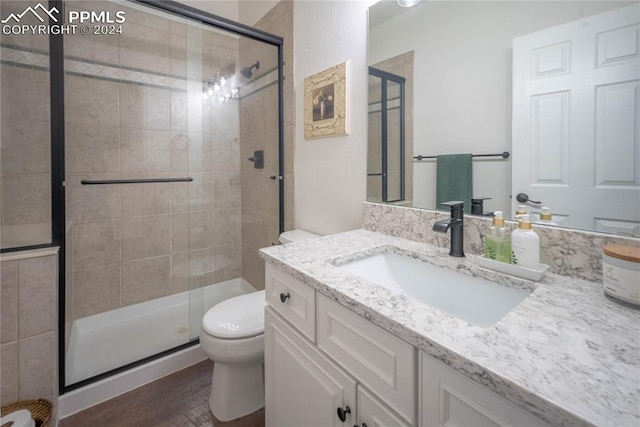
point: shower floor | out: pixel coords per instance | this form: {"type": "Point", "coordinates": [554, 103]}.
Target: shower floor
{"type": "Point", "coordinates": [177, 400]}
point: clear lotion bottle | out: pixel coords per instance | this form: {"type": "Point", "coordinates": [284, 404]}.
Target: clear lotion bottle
{"type": "Point", "coordinates": [525, 245]}
{"type": "Point", "coordinates": [497, 245]}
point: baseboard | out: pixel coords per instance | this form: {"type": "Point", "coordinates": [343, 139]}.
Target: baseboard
{"type": "Point", "coordinates": [92, 394]}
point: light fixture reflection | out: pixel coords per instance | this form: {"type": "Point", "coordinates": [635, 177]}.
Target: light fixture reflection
{"type": "Point", "coordinates": [217, 90]}
{"type": "Point", "coordinates": [407, 3]}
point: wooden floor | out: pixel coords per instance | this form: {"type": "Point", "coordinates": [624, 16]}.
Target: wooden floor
{"type": "Point", "coordinates": [178, 400]}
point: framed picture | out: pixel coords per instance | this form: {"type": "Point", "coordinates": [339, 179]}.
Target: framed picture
{"type": "Point", "coordinates": [325, 103]}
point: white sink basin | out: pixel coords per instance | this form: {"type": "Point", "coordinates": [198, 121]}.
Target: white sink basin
{"type": "Point", "coordinates": [476, 300]}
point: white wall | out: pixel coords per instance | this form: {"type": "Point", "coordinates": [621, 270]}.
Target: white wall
{"type": "Point", "coordinates": [330, 173]}
{"type": "Point", "coordinates": [463, 80]}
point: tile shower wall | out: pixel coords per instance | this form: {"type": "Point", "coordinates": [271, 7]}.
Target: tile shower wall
{"type": "Point", "coordinates": [28, 333]}
{"type": "Point", "coordinates": [259, 113]}
{"type": "Point", "coordinates": [573, 253]}
{"type": "Point", "coordinates": [134, 109]}
{"type": "Point", "coordinates": [25, 165]}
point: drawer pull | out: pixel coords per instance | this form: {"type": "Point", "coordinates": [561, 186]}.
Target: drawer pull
{"type": "Point", "coordinates": [283, 296]}
{"type": "Point", "coordinates": [342, 413]}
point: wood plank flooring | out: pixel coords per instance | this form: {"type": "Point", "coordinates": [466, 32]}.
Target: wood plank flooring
{"type": "Point", "coordinates": [177, 400]}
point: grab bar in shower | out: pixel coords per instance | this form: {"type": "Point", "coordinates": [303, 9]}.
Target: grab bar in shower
{"type": "Point", "coordinates": [132, 181]}
{"type": "Point", "coordinates": [504, 155]}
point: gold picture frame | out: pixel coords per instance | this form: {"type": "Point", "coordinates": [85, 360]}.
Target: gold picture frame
{"type": "Point", "coordinates": [325, 103]}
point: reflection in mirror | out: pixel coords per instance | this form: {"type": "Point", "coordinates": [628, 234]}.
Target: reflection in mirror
{"type": "Point", "coordinates": [555, 84]}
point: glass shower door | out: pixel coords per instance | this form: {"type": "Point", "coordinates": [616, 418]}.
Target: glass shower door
{"type": "Point", "coordinates": [165, 211]}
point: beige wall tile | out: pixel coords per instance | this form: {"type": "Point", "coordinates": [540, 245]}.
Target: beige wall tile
{"type": "Point", "coordinates": [144, 47]}
{"type": "Point", "coordinates": [202, 191]}
{"type": "Point", "coordinates": [249, 144]}
{"type": "Point", "coordinates": [93, 47]}
{"type": "Point", "coordinates": [96, 243]}
{"type": "Point", "coordinates": [26, 199]}
{"type": "Point", "coordinates": [178, 50]}
{"type": "Point", "coordinates": [253, 188]}
{"type": "Point", "coordinates": [90, 102]}
{"type": "Point", "coordinates": [271, 152]}
{"type": "Point", "coordinates": [226, 226]}
{"type": "Point", "coordinates": [200, 268]}
{"type": "Point", "coordinates": [196, 152]}
{"type": "Point", "coordinates": [96, 290]}
{"type": "Point", "coordinates": [226, 189]}
{"type": "Point", "coordinates": [158, 109]}
{"type": "Point", "coordinates": [289, 187]}
{"type": "Point", "coordinates": [9, 373]}
{"type": "Point", "coordinates": [25, 94]}
{"type": "Point", "coordinates": [146, 279]}
{"type": "Point", "coordinates": [179, 232]}
{"type": "Point", "coordinates": [180, 153]}
{"type": "Point", "coordinates": [37, 368]}
{"type": "Point", "coordinates": [37, 42]}
{"type": "Point", "coordinates": [252, 267]}
{"type": "Point", "coordinates": [91, 149]}
{"type": "Point", "coordinates": [270, 204]}
{"type": "Point", "coordinates": [145, 199]}
{"type": "Point", "coordinates": [226, 152]}
{"type": "Point", "coordinates": [37, 298]}
{"type": "Point", "coordinates": [200, 230]}
{"type": "Point", "coordinates": [179, 112]}
{"type": "Point", "coordinates": [179, 197]}
{"type": "Point", "coordinates": [25, 147]}
{"type": "Point", "coordinates": [289, 147]}
{"type": "Point", "coordinates": [92, 202]}
{"type": "Point", "coordinates": [144, 237]}
{"type": "Point", "coordinates": [9, 301]}
{"type": "Point", "coordinates": [269, 98]}
{"type": "Point", "coordinates": [251, 114]}
{"type": "Point", "coordinates": [227, 262]}
{"type": "Point", "coordinates": [179, 272]}
{"type": "Point", "coordinates": [133, 105]}
{"type": "Point", "coordinates": [145, 151]}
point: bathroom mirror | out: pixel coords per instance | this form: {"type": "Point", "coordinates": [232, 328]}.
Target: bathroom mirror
{"type": "Point", "coordinates": [487, 77]}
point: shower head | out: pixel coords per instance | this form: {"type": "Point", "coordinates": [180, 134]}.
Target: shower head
{"type": "Point", "coordinates": [247, 72]}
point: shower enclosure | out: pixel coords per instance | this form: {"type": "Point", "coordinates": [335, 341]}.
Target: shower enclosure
{"type": "Point", "coordinates": [154, 200]}
{"type": "Point", "coordinates": [386, 145]}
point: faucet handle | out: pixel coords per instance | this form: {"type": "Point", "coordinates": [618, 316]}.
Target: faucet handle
{"type": "Point", "coordinates": [457, 208]}
{"type": "Point", "coordinates": [453, 203]}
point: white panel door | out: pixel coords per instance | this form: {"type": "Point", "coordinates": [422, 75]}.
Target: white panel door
{"type": "Point", "coordinates": [302, 387]}
{"type": "Point", "coordinates": [576, 120]}
{"type": "Point", "coordinates": [373, 413]}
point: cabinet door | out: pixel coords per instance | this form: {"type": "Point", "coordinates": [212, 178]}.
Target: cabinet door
{"type": "Point", "coordinates": [303, 388]}
{"type": "Point", "coordinates": [373, 413]}
{"type": "Point", "coordinates": [448, 398]}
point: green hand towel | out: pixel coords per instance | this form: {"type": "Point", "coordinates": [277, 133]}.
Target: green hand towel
{"type": "Point", "coordinates": [454, 180]}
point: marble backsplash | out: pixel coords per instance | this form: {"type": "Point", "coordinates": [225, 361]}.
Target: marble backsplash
{"type": "Point", "coordinates": [573, 253]}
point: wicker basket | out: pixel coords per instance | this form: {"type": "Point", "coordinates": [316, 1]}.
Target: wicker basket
{"type": "Point", "coordinates": [40, 410]}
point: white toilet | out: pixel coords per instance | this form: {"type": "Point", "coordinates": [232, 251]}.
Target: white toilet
{"type": "Point", "coordinates": [233, 338]}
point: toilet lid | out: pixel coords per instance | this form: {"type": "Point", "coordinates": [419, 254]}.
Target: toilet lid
{"type": "Point", "coordinates": [237, 317]}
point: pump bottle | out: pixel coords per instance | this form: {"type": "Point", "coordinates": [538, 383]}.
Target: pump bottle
{"type": "Point", "coordinates": [525, 244]}
{"type": "Point", "coordinates": [497, 245]}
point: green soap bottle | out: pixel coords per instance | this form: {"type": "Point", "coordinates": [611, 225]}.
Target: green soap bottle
{"type": "Point", "coordinates": [497, 244]}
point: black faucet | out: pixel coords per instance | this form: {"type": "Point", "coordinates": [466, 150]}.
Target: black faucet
{"type": "Point", "coordinates": [455, 223]}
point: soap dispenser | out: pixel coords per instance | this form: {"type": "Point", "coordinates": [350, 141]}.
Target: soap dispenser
{"type": "Point", "coordinates": [497, 244]}
{"type": "Point", "coordinates": [545, 217]}
{"type": "Point", "coordinates": [525, 244]}
{"type": "Point", "coordinates": [522, 210]}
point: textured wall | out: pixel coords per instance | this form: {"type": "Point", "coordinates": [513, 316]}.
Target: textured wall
{"type": "Point", "coordinates": [28, 334]}
{"type": "Point", "coordinates": [331, 172]}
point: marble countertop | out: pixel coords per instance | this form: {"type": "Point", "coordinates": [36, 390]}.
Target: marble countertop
{"type": "Point", "coordinates": [566, 354]}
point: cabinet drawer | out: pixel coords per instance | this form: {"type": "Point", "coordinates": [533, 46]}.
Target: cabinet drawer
{"type": "Point", "coordinates": [385, 364]}
{"type": "Point", "coordinates": [372, 412]}
{"type": "Point", "coordinates": [294, 300]}
{"type": "Point", "coordinates": [447, 397]}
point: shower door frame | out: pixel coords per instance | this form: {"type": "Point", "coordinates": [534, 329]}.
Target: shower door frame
{"type": "Point", "coordinates": [384, 77]}
{"type": "Point", "coordinates": [58, 214]}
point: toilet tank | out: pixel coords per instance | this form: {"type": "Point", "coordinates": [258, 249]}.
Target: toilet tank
{"type": "Point", "coordinates": [296, 236]}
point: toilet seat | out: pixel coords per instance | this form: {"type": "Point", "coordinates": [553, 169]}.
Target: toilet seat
{"type": "Point", "coordinates": [236, 318]}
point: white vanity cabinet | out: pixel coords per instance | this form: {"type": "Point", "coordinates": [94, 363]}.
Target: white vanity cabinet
{"type": "Point", "coordinates": [327, 385]}
{"type": "Point", "coordinates": [325, 366]}
{"type": "Point", "coordinates": [449, 398]}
